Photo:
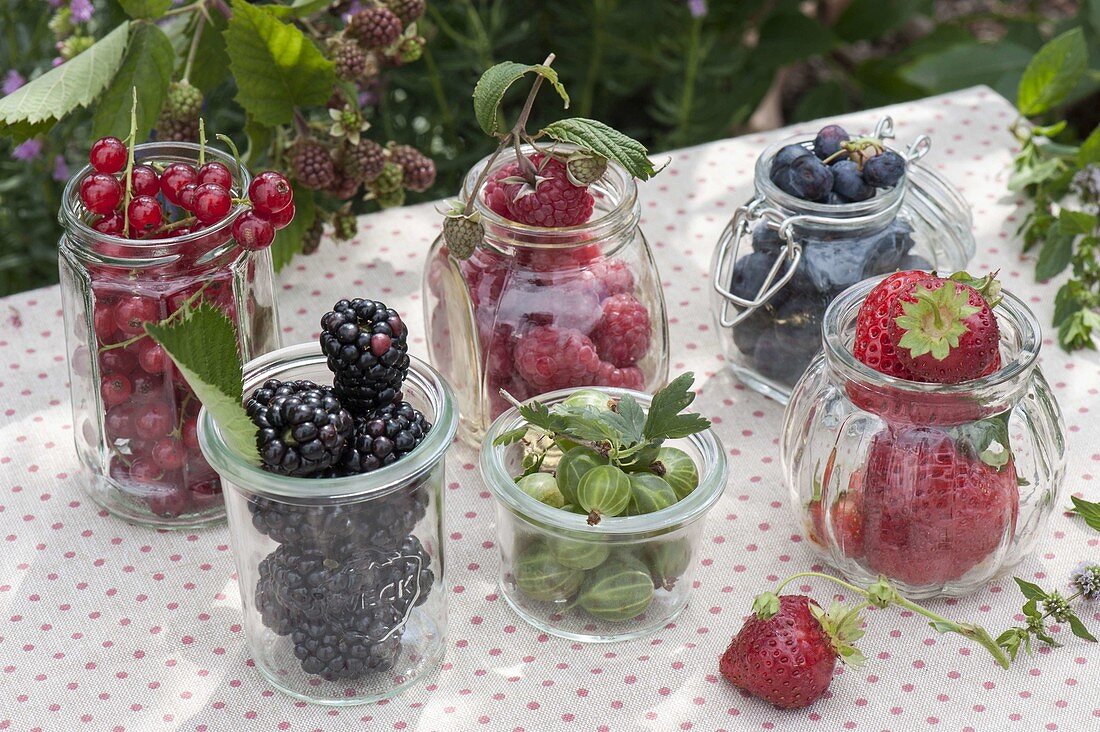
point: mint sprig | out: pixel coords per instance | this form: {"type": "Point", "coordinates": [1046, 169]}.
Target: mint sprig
{"type": "Point", "coordinates": [1088, 510]}
{"type": "Point", "coordinates": [1039, 607]}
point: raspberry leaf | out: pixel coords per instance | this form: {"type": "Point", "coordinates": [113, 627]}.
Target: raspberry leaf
{"type": "Point", "coordinates": [605, 141]}
{"type": "Point", "coordinates": [147, 67]}
{"type": "Point", "coordinates": [495, 82]}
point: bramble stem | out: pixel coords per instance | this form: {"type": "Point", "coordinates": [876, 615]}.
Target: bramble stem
{"type": "Point", "coordinates": [200, 23]}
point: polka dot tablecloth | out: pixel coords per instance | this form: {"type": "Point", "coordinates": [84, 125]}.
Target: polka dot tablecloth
{"type": "Point", "coordinates": [105, 626]}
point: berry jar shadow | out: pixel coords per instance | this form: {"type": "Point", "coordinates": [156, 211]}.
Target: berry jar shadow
{"type": "Point", "coordinates": [939, 487]}
{"type": "Point", "coordinates": [623, 578]}
{"type": "Point", "coordinates": [341, 579]}
{"type": "Point", "coordinates": [536, 309]}
{"type": "Point", "coordinates": [769, 293]}
{"type": "Point", "coordinates": [134, 415]}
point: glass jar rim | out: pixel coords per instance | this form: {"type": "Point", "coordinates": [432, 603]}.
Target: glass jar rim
{"type": "Point", "coordinates": [69, 217]}
{"type": "Point", "coordinates": [248, 475]}
{"type": "Point", "coordinates": [842, 360]}
{"type": "Point", "coordinates": [712, 482]}
{"type": "Point", "coordinates": [624, 215]}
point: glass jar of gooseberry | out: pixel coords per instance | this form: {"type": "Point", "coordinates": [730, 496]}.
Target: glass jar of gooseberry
{"type": "Point", "coordinates": [134, 415]}
{"type": "Point", "coordinates": [781, 259]}
{"type": "Point", "coordinates": [622, 577]}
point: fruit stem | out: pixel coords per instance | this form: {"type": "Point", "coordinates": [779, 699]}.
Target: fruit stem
{"type": "Point", "coordinates": [200, 23]}
{"type": "Point", "coordinates": [835, 156]}
{"type": "Point", "coordinates": [202, 142]}
{"type": "Point", "coordinates": [519, 129]}
{"type": "Point", "coordinates": [173, 225]}
{"type": "Point", "coordinates": [131, 140]}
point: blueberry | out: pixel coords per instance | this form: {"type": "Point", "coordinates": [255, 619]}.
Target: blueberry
{"type": "Point", "coordinates": [828, 267]}
{"type": "Point", "coordinates": [798, 325]}
{"type": "Point", "coordinates": [914, 261]}
{"type": "Point", "coordinates": [788, 154]}
{"type": "Point", "coordinates": [848, 182]}
{"type": "Point", "coordinates": [828, 141]}
{"type": "Point", "coordinates": [766, 239]}
{"type": "Point", "coordinates": [748, 331]}
{"type": "Point", "coordinates": [891, 245]}
{"type": "Point", "coordinates": [749, 274]}
{"type": "Point", "coordinates": [777, 362]}
{"type": "Point", "coordinates": [810, 179]}
{"type": "Point", "coordinates": [779, 172]}
{"type": "Point", "coordinates": [884, 170]}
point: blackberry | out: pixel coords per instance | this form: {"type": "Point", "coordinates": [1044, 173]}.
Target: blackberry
{"type": "Point", "coordinates": [179, 118]}
{"type": "Point", "coordinates": [349, 59]}
{"type": "Point", "coordinates": [384, 437]}
{"type": "Point", "coordinates": [410, 49]}
{"type": "Point", "coordinates": [364, 161]}
{"type": "Point", "coordinates": [311, 240]}
{"type": "Point", "coordinates": [389, 199]}
{"type": "Point", "coordinates": [344, 226]}
{"type": "Point", "coordinates": [407, 11]}
{"type": "Point", "coordinates": [375, 27]}
{"type": "Point", "coordinates": [367, 351]}
{"type": "Point", "coordinates": [343, 185]}
{"type": "Point", "coordinates": [311, 164]}
{"type": "Point", "coordinates": [303, 428]}
{"type": "Point", "coordinates": [418, 170]}
{"type": "Point", "coordinates": [389, 179]}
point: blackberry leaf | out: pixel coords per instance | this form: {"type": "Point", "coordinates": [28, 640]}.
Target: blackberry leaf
{"type": "Point", "coordinates": [148, 67]}
{"type": "Point", "coordinates": [151, 9]}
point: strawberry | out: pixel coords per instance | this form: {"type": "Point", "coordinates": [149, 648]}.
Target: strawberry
{"type": "Point", "coordinates": [944, 330]}
{"type": "Point", "coordinates": [938, 502]}
{"type": "Point", "coordinates": [787, 649]}
{"type": "Point", "coordinates": [873, 345]}
{"type": "Point", "coordinates": [846, 514]}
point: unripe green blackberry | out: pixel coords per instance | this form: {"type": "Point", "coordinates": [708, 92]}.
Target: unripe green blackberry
{"type": "Point", "coordinates": [344, 226]}
{"type": "Point", "coordinates": [410, 49]}
{"type": "Point", "coordinates": [179, 117]}
{"type": "Point", "coordinates": [311, 164]}
{"type": "Point", "coordinates": [409, 11]}
{"type": "Point", "coordinates": [61, 23]}
{"type": "Point", "coordinates": [311, 240]}
{"type": "Point", "coordinates": [390, 199]}
{"type": "Point", "coordinates": [349, 59]}
{"type": "Point", "coordinates": [375, 27]}
{"type": "Point", "coordinates": [389, 179]}
{"type": "Point", "coordinates": [417, 168]}
{"type": "Point", "coordinates": [364, 161]}
{"type": "Point", "coordinates": [74, 46]}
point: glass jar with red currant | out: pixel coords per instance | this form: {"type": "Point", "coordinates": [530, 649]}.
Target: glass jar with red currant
{"type": "Point", "coordinates": [183, 232]}
{"type": "Point", "coordinates": [559, 291]}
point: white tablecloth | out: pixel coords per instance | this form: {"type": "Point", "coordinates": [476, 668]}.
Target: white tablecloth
{"type": "Point", "coordinates": [105, 626]}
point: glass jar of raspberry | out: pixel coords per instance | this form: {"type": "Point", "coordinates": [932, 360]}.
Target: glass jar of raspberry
{"type": "Point", "coordinates": [536, 309]}
{"type": "Point", "coordinates": [939, 487]}
{"type": "Point", "coordinates": [134, 416]}
{"type": "Point", "coordinates": [781, 260]}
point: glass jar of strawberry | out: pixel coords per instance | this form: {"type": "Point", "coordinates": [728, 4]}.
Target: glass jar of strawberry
{"type": "Point", "coordinates": [184, 233]}
{"type": "Point", "coordinates": [560, 291]}
{"type": "Point", "coordinates": [924, 443]}
{"type": "Point", "coordinates": [827, 212]}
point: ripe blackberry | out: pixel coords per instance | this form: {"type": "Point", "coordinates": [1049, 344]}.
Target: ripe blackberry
{"type": "Point", "coordinates": [349, 59]}
{"type": "Point", "coordinates": [311, 164]}
{"type": "Point", "coordinates": [303, 428]}
{"type": "Point", "coordinates": [343, 186]}
{"type": "Point", "coordinates": [367, 351]}
{"type": "Point", "coordinates": [375, 27]}
{"type": "Point", "coordinates": [179, 118]}
{"type": "Point", "coordinates": [311, 240]}
{"type": "Point", "coordinates": [408, 11]}
{"type": "Point", "coordinates": [364, 161]}
{"type": "Point", "coordinates": [384, 437]}
{"type": "Point", "coordinates": [418, 168]}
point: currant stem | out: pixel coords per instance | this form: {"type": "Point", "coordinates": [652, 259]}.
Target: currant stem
{"type": "Point", "coordinates": [175, 313]}
{"type": "Point", "coordinates": [131, 140]}
{"type": "Point", "coordinates": [202, 142]}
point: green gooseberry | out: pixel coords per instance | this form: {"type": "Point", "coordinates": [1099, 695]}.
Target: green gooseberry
{"type": "Point", "coordinates": [589, 398]}
{"type": "Point", "coordinates": [668, 560]}
{"type": "Point", "coordinates": [572, 467]}
{"type": "Point", "coordinates": [543, 488]}
{"type": "Point", "coordinates": [678, 470]}
{"type": "Point", "coordinates": [617, 590]}
{"type": "Point", "coordinates": [649, 493]}
{"type": "Point", "coordinates": [604, 491]}
{"type": "Point", "coordinates": [542, 578]}
{"type": "Point", "coordinates": [577, 554]}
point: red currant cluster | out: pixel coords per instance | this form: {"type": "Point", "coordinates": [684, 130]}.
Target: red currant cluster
{"type": "Point", "coordinates": [203, 196]}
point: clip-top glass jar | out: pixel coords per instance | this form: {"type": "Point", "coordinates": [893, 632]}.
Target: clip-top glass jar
{"type": "Point", "coordinates": [536, 309]}
{"type": "Point", "coordinates": [341, 579]}
{"type": "Point", "coordinates": [769, 298]}
{"type": "Point", "coordinates": [939, 487]}
{"type": "Point", "coordinates": [134, 415]}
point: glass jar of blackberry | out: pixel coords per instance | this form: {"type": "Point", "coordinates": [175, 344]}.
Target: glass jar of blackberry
{"type": "Point", "coordinates": [827, 212]}
{"type": "Point", "coordinates": [571, 298]}
{"type": "Point", "coordinates": [341, 571]}
{"type": "Point", "coordinates": [134, 415]}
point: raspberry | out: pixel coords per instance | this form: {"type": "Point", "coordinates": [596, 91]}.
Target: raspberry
{"type": "Point", "coordinates": [375, 27]}
{"type": "Point", "coordinates": [554, 202]}
{"type": "Point", "coordinates": [614, 276]}
{"type": "Point", "coordinates": [493, 192]}
{"type": "Point", "coordinates": [630, 377]}
{"type": "Point", "coordinates": [312, 164]}
{"type": "Point", "coordinates": [408, 11]}
{"type": "Point", "coordinates": [179, 118]}
{"type": "Point", "coordinates": [303, 428]}
{"type": "Point", "coordinates": [550, 358]}
{"type": "Point", "coordinates": [349, 59]}
{"type": "Point", "coordinates": [364, 161]}
{"type": "Point", "coordinates": [418, 168]}
{"type": "Point", "coordinates": [463, 235]}
{"type": "Point", "coordinates": [622, 335]}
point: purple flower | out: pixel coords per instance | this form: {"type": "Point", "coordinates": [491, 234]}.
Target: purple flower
{"type": "Point", "coordinates": [60, 169]}
{"type": "Point", "coordinates": [1086, 578]}
{"type": "Point", "coordinates": [82, 10]}
{"type": "Point", "coordinates": [29, 150]}
{"type": "Point", "coordinates": [697, 8]}
{"type": "Point", "coordinates": [57, 61]}
{"type": "Point", "coordinates": [12, 81]}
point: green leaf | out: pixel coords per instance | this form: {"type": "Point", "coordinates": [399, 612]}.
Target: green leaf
{"type": "Point", "coordinates": [259, 138]}
{"type": "Point", "coordinates": [211, 64]}
{"type": "Point", "coordinates": [788, 36]}
{"type": "Point", "coordinates": [965, 65]}
{"type": "Point", "coordinates": [1089, 152]}
{"type": "Point", "coordinates": [1076, 222]}
{"type": "Point", "coordinates": [1056, 253]}
{"type": "Point", "coordinates": [1079, 629]}
{"type": "Point", "coordinates": [1087, 510]}
{"type": "Point", "coordinates": [203, 345]}
{"type": "Point", "coordinates": [664, 420]}
{"type": "Point", "coordinates": [61, 90]}
{"type": "Point", "coordinates": [288, 241]}
{"type": "Point", "coordinates": [1079, 330]}
{"type": "Point", "coordinates": [823, 100]}
{"type": "Point", "coordinates": [869, 19]}
{"type": "Point", "coordinates": [511, 437]}
{"type": "Point", "coordinates": [629, 420]}
{"type": "Point", "coordinates": [1053, 73]}
{"type": "Point", "coordinates": [1031, 590]}
{"type": "Point", "coordinates": [1066, 301]}
{"type": "Point", "coordinates": [1037, 173]}
{"type": "Point", "coordinates": [1093, 14]}
{"type": "Point", "coordinates": [597, 137]}
{"type": "Point", "coordinates": [148, 67]}
{"type": "Point", "coordinates": [495, 82]}
{"type": "Point", "coordinates": [145, 8]}
{"type": "Point", "coordinates": [276, 66]}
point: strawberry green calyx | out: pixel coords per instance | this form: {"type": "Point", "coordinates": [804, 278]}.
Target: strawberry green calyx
{"type": "Point", "coordinates": [989, 287]}
{"type": "Point", "coordinates": [934, 322]}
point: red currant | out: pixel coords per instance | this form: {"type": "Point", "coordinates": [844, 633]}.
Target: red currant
{"type": "Point", "coordinates": [191, 433]}
{"type": "Point", "coordinates": [147, 386]}
{"type": "Point", "coordinates": [119, 422]}
{"type": "Point", "coordinates": [144, 470]}
{"type": "Point", "coordinates": [103, 322]}
{"type": "Point", "coordinates": [101, 193]}
{"type": "Point", "coordinates": [111, 224]}
{"type": "Point", "coordinates": [211, 203]}
{"type": "Point", "coordinates": [174, 178]}
{"type": "Point", "coordinates": [145, 215]}
{"type": "Point", "coordinates": [185, 199]}
{"type": "Point", "coordinates": [216, 173]}
{"type": "Point", "coordinates": [153, 358]}
{"type": "Point", "coordinates": [115, 389]}
{"type": "Point", "coordinates": [108, 155]}
{"type": "Point", "coordinates": [270, 192]}
{"type": "Point", "coordinates": [144, 181]}
{"type": "Point", "coordinates": [168, 453]}
{"type": "Point", "coordinates": [117, 361]}
{"type": "Point", "coordinates": [154, 419]}
{"type": "Point", "coordinates": [252, 232]}
{"type": "Point", "coordinates": [133, 313]}
{"type": "Point", "coordinates": [280, 219]}
{"type": "Point", "coordinates": [168, 499]}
